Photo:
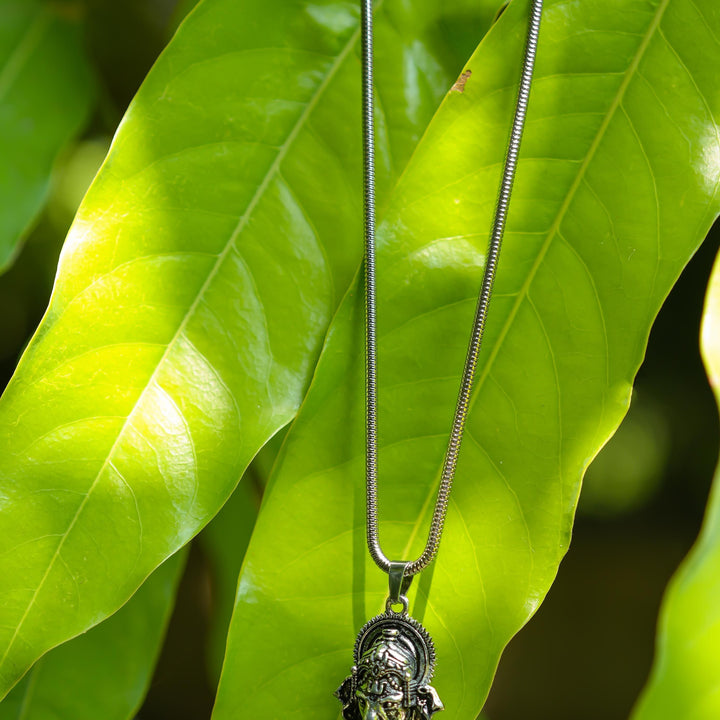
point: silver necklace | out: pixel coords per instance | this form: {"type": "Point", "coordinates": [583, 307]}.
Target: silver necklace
{"type": "Point", "coordinates": [394, 656]}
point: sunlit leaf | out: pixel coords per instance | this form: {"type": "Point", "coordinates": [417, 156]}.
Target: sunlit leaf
{"type": "Point", "coordinates": [616, 188]}
{"type": "Point", "coordinates": [193, 294]}
{"type": "Point", "coordinates": [106, 672]}
{"type": "Point", "coordinates": [46, 92]}
{"type": "Point", "coordinates": [225, 540]}
{"type": "Point", "coordinates": [685, 680]}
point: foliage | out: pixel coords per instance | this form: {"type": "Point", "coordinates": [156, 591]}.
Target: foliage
{"type": "Point", "coordinates": [201, 140]}
{"type": "Point", "coordinates": [587, 264]}
{"type": "Point", "coordinates": [46, 90]}
{"type": "Point", "coordinates": [57, 687]}
{"type": "Point", "coordinates": [686, 677]}
{"type": "Point", "coordinates": [202, 273]}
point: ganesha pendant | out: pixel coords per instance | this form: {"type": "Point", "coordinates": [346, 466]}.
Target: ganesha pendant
{"type": "Point", "coordinates": [394, 660]}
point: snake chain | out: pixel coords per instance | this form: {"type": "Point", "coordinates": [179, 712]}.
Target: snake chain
{"type": "Point", "coordinates": [498, 228]}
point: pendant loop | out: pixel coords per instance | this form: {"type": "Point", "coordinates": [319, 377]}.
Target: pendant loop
{"type": "Point", "coordinates": [399, 583]}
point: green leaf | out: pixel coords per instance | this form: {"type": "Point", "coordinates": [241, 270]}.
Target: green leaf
{"type": "Point", "coordinates": [225, 540]}
{"type": "Point", "coordinates": [46, 93]}
{"type": "Point", "coordinates": [182, 9]}
{"type": "Point", "coordinates": [106, 672]}
{"type": "Point", "coordinates": [193, 294]}
{"type": "Point", "coordinates": [685, 679]}
{"type": "Point", "coordinates": [616, 188]}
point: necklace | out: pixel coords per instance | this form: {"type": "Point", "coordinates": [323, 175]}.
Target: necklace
{"type": "Point", "coordinates": [394, 656]}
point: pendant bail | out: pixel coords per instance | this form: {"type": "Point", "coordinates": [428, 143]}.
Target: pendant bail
{"type": "Point", "coordinates": [399, 583]}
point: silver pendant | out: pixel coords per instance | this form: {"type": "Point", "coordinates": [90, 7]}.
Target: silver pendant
{"type": "Point", "coordinates": [394, 661]}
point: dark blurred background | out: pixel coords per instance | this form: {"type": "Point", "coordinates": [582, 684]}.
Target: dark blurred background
{"type": "Point", "coordinates": [587, 652]}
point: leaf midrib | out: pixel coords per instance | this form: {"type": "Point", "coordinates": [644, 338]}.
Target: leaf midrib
{"type": "Point", "coordinates": [269, 175]}
{"type": "Point", "coordinates": [629, 75]}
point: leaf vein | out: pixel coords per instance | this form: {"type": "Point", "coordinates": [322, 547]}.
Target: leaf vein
{"type": "Point", "coordinates": [629, 74]}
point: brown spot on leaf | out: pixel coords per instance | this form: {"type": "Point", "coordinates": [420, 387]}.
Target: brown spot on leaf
{"type": "Point", "coordinates": [459, 85]}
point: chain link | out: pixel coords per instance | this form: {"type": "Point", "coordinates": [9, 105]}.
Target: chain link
{"type": "Point", "coordinates": [461, 410]}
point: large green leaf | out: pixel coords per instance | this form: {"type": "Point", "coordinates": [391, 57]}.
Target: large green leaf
{"type": "Point", "coordinates": [193, 294]}
{"type": "Point", "coordinates": [181, 11]}
{"type": "Point", "coordinates": [616, 188]}
{"type": "Point", "coordinates": [46, 91]}
{"type": "Point", "coordinates": [106, 672]}
{"type": "Point", "coordinates": [685, 680]}
{"type": "Point", "coordinates": [225, 540]}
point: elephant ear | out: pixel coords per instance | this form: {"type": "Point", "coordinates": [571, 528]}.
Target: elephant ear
{"type": "Point", "coordinates": [430, 702]}
{"type": "Point", "coordinates": [346, 694]}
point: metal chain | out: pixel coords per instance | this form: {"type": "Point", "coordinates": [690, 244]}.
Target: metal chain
{"type": "Point", "coordinates": [498, 229]}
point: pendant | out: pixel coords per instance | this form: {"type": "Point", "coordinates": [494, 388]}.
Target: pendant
{"type": "Point", "coordinates": [394, 661]}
